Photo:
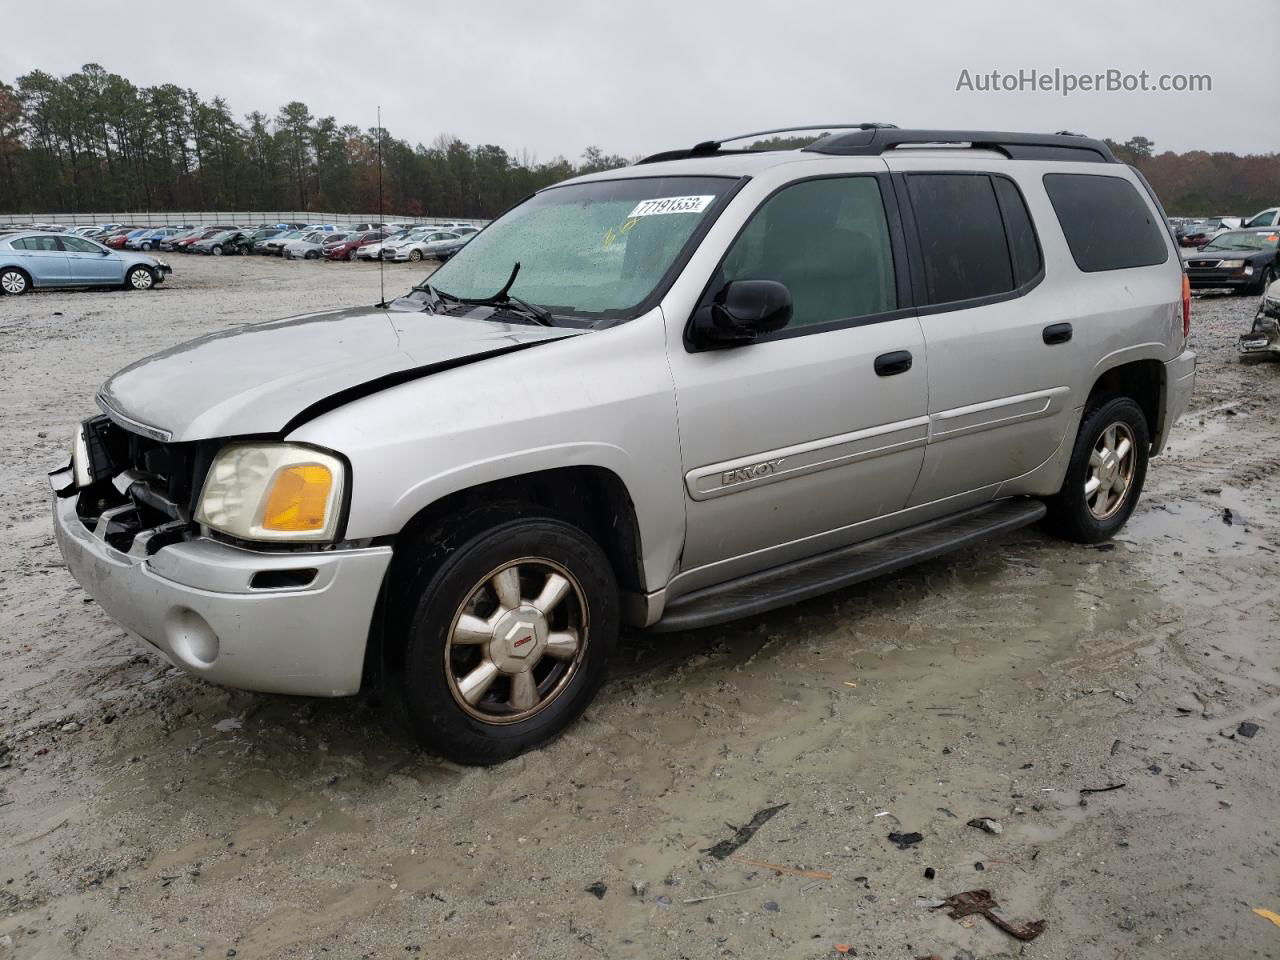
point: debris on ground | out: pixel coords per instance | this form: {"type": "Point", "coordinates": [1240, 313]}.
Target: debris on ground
{"type": "Point", "coordinates": [638, 887]}
{"type": "Point", "coordinates": [743, 833]}
{"type": "Point", "coordinates": [973, 903]}
{"type": "Point", "coordinates": [930, 873]}
{"type": "Point", "coordinates": [786, 871]}
{"type": "Point", "coordinates": [1268, 915]}
{"type": "Point", "coordinates": [904, 840]}
{"type": "Point", "coordinates": [727, 893]}
{"type": "Point", "coordinates": [987, 824]}
{"type": "Point", "coordinates": [1109, 787]}
{"type": "Point", "coordinates": [598, 890]}
{"type": "Point", "coordinates": [1248, 729]}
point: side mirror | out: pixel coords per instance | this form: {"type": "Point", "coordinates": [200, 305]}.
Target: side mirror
{"type": "Point", "coordinates": [742, 311]}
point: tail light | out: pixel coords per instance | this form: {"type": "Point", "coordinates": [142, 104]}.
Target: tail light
{"type": "Point", "coordinates": [1186, 306]}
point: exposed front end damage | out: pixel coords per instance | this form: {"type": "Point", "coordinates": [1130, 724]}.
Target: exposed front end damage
{"type": "Point", "coordinates": [1263, 339]}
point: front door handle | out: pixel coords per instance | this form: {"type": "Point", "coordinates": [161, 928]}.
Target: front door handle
{"type": "Point", "coordinates": [887, 364]}
{"type": "Point", "coordinates": [1057, 333]}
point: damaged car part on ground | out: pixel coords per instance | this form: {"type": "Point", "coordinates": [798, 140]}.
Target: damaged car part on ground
{"type": "Point", "coordinates": [467, 495]}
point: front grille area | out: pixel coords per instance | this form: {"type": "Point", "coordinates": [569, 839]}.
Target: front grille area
{"type": "Point", "coordinates": [143, 491]}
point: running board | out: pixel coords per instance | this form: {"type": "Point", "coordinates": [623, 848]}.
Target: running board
{"type": "Point", "coordinates": [814, 576]}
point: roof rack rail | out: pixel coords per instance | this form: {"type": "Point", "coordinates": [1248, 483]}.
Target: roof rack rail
{"type": "Point", "coordinates": [708, 147]}
{"type": "Point", "coordinates": [1015, 146]}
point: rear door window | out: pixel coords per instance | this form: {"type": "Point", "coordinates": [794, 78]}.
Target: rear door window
{"type": "Point", "coordinates": [962, 236]}
{"type": "Point", "coordinates": [1107, 224]}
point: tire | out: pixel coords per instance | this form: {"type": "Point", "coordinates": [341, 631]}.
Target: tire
{"type": "Point", "coordinates": [140, 278]}
{"type": "Point", "coordinates": [217, 251]}
{"type": "Point", "coordinates": [351, 256]}
{"type": "Point", "coordinates": [1268, 277]}
{"type": "Point", "coordinates": [311, 255]}
{"type": "Point", "coordinates": [415, 255]}
{"type": "Point", "coordinates": [448, 583]}
{"type": "Point", "coordinates": [1077, 515]}
{"type": "Point", "coordinates": [14, 282]}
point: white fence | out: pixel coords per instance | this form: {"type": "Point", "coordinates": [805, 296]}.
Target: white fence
{"type": "Point", "coordinates": [241, 217]}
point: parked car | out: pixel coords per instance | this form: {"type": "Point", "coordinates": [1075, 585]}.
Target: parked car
{"type": "Point", "coordinates": [447, 249]}
{"type": "Point", "coordinates": [374, 250]}
{"type": "Point", "coordinates": [471, 507]}
{"type": "Point", "coordinates": [275, 245]}
{"type": "Point", "coordinates": [187, 243]}
{"type": "Point", "coordinates": [345, 249]}
{"type": "Point", "coordinates": [324, 228]}
{"type": "Point", "coordinates": [1263, 339]}
{"type": "Point", "coordinates": [33, 259]}
{"type": "Point", "coordinates": [227, 242]}
{"type": "Point", "coordinates": [1266, 218]}
{"type": "Point", "coordinates": [311, 246]}
{"type": "Point", "coordinates": [1199, 232]}
{"type": "Point", "coordinates": [117, 240]}
{"type": "Point", "coordinates": [420, 247]}
{"type": "Point", "coordinates": [1243, 260]}
{"type": "Point", "coordinates": [170, 242]}
{"type": "Point", "coordinates": [151, 239]}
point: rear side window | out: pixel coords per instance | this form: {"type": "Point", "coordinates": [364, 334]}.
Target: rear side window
{"type": "Point", "coordinates": [963, 237]}
{"type": "Point", "coordinates": [828, 241]}
{"type": "Point", "coordinates": [1107, 224]}
{"type": "Point", "coordinates": [36, 243]}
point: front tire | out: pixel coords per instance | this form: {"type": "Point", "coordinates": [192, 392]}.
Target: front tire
{"type": "Point", "coordinates": [509, 639]}
{"type": "Point", "coordinates": [415, 255]}
{"type": "Point", "coordinates": [216, 251]}
{"type": "Point", "coordinates": [140, 278]}
{"type": "Point", "coordinates": [14, 282]}
{"type": "Point", "coordinates": [1264, 281]}
{"type": "Point", "coordinates": [1105, 477]}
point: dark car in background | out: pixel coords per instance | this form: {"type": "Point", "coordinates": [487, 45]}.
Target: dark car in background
{"type": "Point", "coordinates": [225, 243]}
{"type": "Point", "coordinates": [1243, 260]}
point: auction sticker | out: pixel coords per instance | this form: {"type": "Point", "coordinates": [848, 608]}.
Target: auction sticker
{"type": "Point", "coordinates": [652, 208]}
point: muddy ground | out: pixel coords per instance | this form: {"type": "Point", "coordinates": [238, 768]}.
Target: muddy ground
{"type": "Point", "coordinates": [144, 813]}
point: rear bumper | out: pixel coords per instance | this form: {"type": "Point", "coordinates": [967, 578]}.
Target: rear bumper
{"type": "Point", "coordinates": [193, 602]}
{"type": "Point", "coordinates": [1180, 382]}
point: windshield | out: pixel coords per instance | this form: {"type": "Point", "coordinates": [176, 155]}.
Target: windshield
{"type": "Point", "coordinates": [595, 249]}
{"type": "Point", "coordinates": [1243, 241]}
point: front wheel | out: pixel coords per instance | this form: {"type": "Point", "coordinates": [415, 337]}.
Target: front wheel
{"type": "Point", "coordinates": [415, 255]}
{"type": "Point", "coordinates": [351, 255]}
{"type": "Point", "coordinates": [509, 639]}
{"type": "Point", "coordinates": [1264, 281]}
{"type": "Point", "coordinates": [140, 278]}
{"type": "Point", "coordinates": [216, 251]}
{"type": "Point", "coordinates": [1105, 477]}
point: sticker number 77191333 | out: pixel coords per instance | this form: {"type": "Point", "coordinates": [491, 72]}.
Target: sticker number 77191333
{"type": "Point", "coordinates": [652, 208]}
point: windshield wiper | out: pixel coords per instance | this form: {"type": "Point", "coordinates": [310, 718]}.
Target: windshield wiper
{"type": "Point", "coordinates": [504, 301]}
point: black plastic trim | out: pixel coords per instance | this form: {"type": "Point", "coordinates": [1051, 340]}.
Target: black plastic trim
{"type": "Point", "coordinates": [1015, 146]}
{"type": "Point", "coordinates": [813, 576]}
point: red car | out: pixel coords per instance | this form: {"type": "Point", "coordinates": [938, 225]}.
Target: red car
{"type": "Point", "coordinates": [345, 249]}
{"type": "Point", "coordinates": [117, 239]}
{"type": "Point", "coordinates": [183, 244]}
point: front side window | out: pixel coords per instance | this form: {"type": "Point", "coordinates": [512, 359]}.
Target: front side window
{"type": "Point", "coordinates": [1266, 218]}
{"type": "Point", "coordinates": [597, 249]}
{"type": "Point", "coordinates": [827, 241]}
{"type": "Point", "coordinates": [77, 245]}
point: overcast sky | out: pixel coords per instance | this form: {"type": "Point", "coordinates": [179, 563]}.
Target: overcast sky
{"type": "Point", "coordinates": [634, 76]}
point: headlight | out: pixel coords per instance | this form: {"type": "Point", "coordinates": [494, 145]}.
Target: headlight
{"type": "Point", "coordinates": [1231, 264]}
{"type": "Point", "coordinates": [273, 491]}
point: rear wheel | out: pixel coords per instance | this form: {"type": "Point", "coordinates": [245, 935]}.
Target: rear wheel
{"type": "Point", "coordinates": [509, 639]}
{"type": "Point", "coordinates": [14, 281]}
{"type": "Point", "coordinates": [1105, 477]}
{"type": "Point", "coordinates": [140, 278]}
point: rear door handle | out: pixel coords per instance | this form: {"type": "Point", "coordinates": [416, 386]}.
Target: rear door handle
{"type": "Point", "coordinates": [1057, 333]}
{"type": "Point", "coordinates": [887, 364]}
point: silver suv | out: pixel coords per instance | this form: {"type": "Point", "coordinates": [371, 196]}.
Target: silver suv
{"type": "Point", "coordinates": [701, 387]}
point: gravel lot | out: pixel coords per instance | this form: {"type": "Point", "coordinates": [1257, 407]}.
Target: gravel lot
{"type": "Point", "coordinates": [144, 813]}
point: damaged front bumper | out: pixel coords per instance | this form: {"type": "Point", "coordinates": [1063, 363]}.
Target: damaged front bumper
{"type": "Point", "coordinates": [276, 622]}
{"type": "Point", "coordinates": [1263, 339]}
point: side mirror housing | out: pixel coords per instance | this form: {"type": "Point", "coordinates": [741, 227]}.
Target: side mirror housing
{"type": "Point", "coordinates": [741, 312]}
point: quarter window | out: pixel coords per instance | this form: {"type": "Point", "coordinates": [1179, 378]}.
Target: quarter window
{"type": "Point", "coordinates": [827, 240]}
{"type": "Point", "coordinates": [1107, 225]}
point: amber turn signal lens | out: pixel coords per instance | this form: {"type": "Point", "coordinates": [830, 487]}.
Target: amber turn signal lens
{"type": "Point", "coordinates": [299, 498]}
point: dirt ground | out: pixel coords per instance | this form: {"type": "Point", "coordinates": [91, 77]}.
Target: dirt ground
{"type": "Point", "coordinates": [145, 813]}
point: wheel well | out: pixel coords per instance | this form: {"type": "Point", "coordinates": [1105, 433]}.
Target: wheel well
{"type": "Point", "coordinates": [591, 498]}
{"type": "Point", "coordinates": [1143, 380]}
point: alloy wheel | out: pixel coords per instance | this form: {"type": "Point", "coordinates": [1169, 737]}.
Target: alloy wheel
{"type": "Point", "coordinates": [1111, 470]}
{"type": "Point", "coordinates": [11, 281]}
{"type": "Point", "coordinates": [516, 640]}
{"type": "Point", "coordinates": [141, 279]}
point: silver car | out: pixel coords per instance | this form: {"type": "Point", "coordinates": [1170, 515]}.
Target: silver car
{"type": "Point", "coordinates": [32, 259]}
{"type": "Point", "coordinates": [698, 388]}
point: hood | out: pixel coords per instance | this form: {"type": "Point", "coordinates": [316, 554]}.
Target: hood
{"type": "Point", "coordinates": [258, 378]}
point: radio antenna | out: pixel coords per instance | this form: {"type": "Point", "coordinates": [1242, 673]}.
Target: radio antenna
{"type": "Point", "coordinates": [382, 285]}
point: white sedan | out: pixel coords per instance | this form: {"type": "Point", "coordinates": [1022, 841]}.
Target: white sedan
{"type": "Point", "coordinates": [310, 247]}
